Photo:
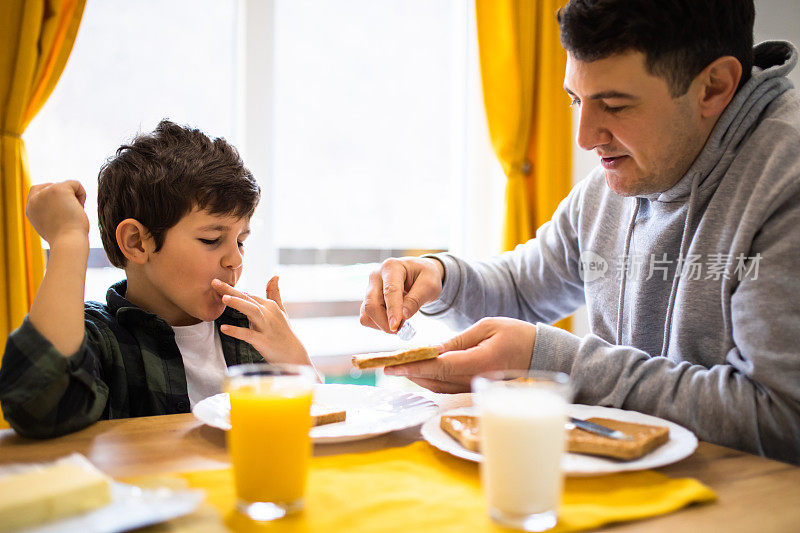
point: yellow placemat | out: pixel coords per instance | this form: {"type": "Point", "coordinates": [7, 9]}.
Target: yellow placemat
{"type": "Point", "coordinates": [419, 488]}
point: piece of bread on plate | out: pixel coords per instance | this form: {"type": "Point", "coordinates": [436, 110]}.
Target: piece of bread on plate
{"type": "Point", "coordinates": [323, 414]}
{"type": "Point", "coordinates": [465, 429]}
{"type": "Point", "coordinates": [645, 439]}
{"type": "Point", "coordinates": [376, 360]}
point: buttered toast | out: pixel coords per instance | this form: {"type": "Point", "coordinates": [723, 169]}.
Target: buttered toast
{"type": "Point", "coordinates": [465, 429]}
{"type": "Point", "coordinates": [376, 360]}
{"type": "Point", "coordinates": [644, 439]}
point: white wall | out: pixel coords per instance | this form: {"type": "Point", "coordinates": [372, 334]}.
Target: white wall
{"type": "Point", "coordinates": [779, 19]}
{"type": "Point", "coordinates": [775, 20]}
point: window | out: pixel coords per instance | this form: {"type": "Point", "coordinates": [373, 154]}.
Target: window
{"type": "Point", "coordinates": [362, 121]}
{"type": "Point", "coordinates": [371, 128]}
{"type": "Point", "coordinates": [133, 64]}
{"type": "Point", "coordinates": [367, 101]}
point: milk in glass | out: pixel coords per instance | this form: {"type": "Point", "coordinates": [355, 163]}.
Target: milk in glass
{"type": "Point", "coordinates": [522, 442]}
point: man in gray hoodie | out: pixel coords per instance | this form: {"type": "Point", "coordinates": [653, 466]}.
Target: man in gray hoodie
{"type": "Point", "coordinates": [684, 244]}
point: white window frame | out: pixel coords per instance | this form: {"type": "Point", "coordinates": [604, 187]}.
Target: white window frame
{"type": "Point", "coordinates": [255, 117]}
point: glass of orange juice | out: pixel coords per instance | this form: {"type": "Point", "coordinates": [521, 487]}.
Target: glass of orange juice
{"type": "Point", "coordinates": [269, 440]}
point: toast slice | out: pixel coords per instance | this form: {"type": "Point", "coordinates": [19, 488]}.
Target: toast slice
{"type": "Point", "coordinates": [321, 415]}
{"type": "Point", "coordinates": [645, 438]}
{"type": "Point", "coordinates": [464, 429]}
{"type": "Point", "coordinates": [375, 360]}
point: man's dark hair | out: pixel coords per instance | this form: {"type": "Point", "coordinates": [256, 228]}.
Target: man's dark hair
{"type": "Point", "coordinates": [161, 176]}
{"type": "Point", "coordinates": [678, 37]}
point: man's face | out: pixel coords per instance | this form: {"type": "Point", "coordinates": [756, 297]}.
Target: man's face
{"type": "Point", "coordinates": [199, 248]}
{"type": "Point", "coordinates": [646, 139]}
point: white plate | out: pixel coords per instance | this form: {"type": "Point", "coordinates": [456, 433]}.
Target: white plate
{"type": "Point", "coordinates": [681, 444]}
{"type": "Point", "coordinates": [131, 507]}
{"type": "Point", "coordinates": [370, 410]}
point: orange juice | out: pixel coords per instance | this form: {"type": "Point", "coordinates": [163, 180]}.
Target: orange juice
{"type": "Point", "coordinates": [269, 443]}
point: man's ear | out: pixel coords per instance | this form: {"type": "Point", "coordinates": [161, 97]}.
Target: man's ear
{"type": "Point", "coordinates": [719, 80]}
{"type": "Point", "coordinates": [134, 240]}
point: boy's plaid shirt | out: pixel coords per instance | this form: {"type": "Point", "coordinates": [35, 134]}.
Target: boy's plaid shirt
{"type": "Point", "coordinates": [128, 365]}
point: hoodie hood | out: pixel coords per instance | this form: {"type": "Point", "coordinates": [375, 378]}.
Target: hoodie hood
{"type": "Point", "coordinates": [773, 60]}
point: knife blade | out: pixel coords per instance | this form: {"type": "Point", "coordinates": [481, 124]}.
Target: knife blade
{"type": "Point", "coordinates": [597, 429]}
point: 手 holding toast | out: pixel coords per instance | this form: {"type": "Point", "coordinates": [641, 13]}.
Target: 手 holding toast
{"type": "Point", "coordinates": [377, 360]}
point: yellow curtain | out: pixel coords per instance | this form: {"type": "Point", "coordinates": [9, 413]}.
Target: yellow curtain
{"type": "Point", "coordinates": [36, 38]}
{"type": "Point", "coordinates": [522, 70]}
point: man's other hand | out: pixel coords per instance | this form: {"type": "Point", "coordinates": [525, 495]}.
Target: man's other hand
{"type": "Point", "coordinates": [490, 344]}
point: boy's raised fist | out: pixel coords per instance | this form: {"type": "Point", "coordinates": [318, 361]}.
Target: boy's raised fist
{"type": "Point", "coordinates": [56, 209]}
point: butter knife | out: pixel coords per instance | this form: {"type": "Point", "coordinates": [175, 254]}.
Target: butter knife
{"type": "Point", "coordinates": [597, 429]}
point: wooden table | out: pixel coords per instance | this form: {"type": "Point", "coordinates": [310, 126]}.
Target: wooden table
{"type": "Point", "coordinates": [755, 494]}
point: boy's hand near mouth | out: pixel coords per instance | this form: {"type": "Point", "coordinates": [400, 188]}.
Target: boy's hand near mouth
{"type": "Point", "coordinates": [269, 330]}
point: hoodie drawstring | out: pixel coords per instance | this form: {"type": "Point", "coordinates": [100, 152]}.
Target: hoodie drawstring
{"type": "Point", "coordinates": [676, 279]}
{"type": "Point", "coordinates": [621, 302]}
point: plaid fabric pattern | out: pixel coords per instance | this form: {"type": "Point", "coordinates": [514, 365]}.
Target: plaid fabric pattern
{"type": "Point", "coordinates": [128, 366]}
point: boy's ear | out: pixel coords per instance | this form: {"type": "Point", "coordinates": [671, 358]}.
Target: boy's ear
{"type": "Point", "coordinates": [134, 240]}
{"type": "Point", "coordinates": [720, 80]}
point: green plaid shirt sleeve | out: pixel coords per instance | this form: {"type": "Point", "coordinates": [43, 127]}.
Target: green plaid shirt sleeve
{"type": "Point", "coordinates": [44, 393]}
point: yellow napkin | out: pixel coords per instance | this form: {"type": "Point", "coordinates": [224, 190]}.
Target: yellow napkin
{"type": "Point", "coordinates": [419, 488]}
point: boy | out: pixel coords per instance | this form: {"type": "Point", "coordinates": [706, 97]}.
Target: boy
{"type": "Point", "coordinates": [174, 211]}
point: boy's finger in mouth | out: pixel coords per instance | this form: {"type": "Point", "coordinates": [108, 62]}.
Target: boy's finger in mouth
{"type": "Point", "coordinates": [223, 287]}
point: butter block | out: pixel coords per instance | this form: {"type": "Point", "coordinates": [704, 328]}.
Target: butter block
{"type": "Point", "coordinates": [40, 495]}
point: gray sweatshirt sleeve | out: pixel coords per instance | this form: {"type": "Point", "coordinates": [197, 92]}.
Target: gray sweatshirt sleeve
{"type": "Point", "coordinates": [751, 402]}
{"type": "Point", "coordinates": [538, 281]}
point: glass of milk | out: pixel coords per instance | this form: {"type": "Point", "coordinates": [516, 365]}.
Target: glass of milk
{"type": "Point", "coordinates": [522, 418]}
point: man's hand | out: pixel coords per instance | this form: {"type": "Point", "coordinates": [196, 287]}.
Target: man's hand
{"type": "Point", "coordinates": [56, 209]}
{"type": "Point", "coordinates": [398, 289]}
{"type": "Point", "coordinates": [269, 330]}
{"type": "Point", "coordinates": [490, 344]}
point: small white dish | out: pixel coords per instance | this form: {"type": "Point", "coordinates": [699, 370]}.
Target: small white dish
{"type": "Point", "coordinates": [131, 507]}
{"type": "Point", "coordinates": [370, 411]}
{"type": "Point", "coordinates": [682, 442]}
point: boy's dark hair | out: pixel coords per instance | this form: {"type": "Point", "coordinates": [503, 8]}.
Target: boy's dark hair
{"type": "Point", "coordinates": [678, 37]}
{"type": "Point", "coordinates": [161, 176]}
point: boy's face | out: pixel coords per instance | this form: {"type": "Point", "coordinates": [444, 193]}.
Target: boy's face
{"type": "Point", "coordinates": [646, 139]}
{"type": "Point", "coordinates": [198, 249]}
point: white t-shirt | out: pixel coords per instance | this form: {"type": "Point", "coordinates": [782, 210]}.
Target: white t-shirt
{"type": "Point", "coordinates": [201, 350]}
